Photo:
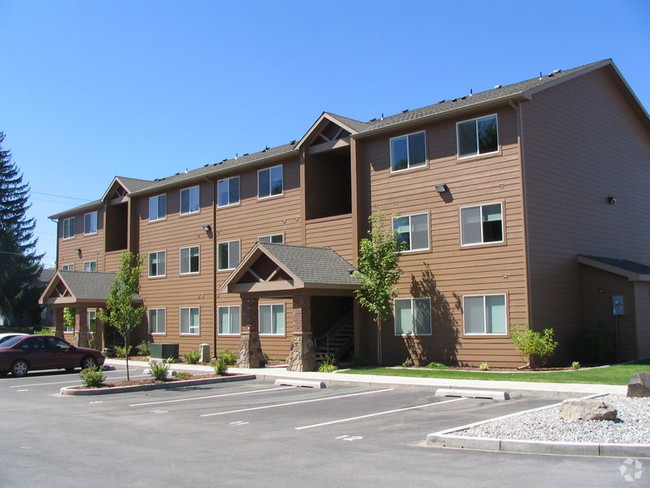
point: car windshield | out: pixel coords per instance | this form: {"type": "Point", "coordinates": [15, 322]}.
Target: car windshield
{"type": "Point", "coordinates": [11, 341]}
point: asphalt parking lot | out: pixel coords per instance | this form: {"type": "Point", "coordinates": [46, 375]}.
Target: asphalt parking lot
{"type": "Point", "coordinates": [254, 433]}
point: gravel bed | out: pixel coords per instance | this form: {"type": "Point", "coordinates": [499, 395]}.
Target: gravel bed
{"type": "Point", "coordinates": [632, 426]}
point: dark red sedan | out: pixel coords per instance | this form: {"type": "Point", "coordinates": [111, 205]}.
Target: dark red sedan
{"type": "Point", "coordinates": [20, 354]}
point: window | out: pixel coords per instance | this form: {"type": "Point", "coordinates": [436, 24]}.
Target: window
{"type": "Point", "coordinates": [485, 314]}
{"type": "Point", "coordinates": [190, 321]}
{"type": "Point", "coordinates": [190, 200]}
{"type": "Point", "coordinates": [477, 136]}
{"type": "Point", "coordinates": [229, 321]}
{"type": "Point", "coordinates": [228, 255]}
{"type": "Point", "coordinates": [269, 182]}
{"type": "Point", "coordinates": [68, 228]}
{"type": "Point", "coordinates": [190, 260]}
{"type": "Point", "coordinates": [92, 321]}
{"type": "Point", "coordinates": [481, 224]}
{"type": "Point", "coordinates": [413, 230]}
{"type": "Point", "coordinates": [228, 191]}
{"type": "Point", "coordinates": [67, 267]}
{"type": "Point", "coordinates": [69, 320]}
{"type": "Point", "coordinates": [90, 266]}
{"type": "Point", "coordinates": [413, 316]}
{"type": "Point", "coordinates": [157, 265]}
{"type": "Point", "coordinates": [157, 207]}
{"type": "Point", "coordinates": [272, 239]}
{"type": "Point", "coordinates": [272, 319]}
{"type": "Point", "coordinates": [157, 321]}
{"type": "Point", "coordinates": [407, 152]}
{"type": "Point", "coordinates": [90, 223]}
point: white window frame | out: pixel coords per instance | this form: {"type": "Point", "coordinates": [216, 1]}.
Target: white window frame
{"type": "Point", "coordinates": [191, 191]}
{"type": "Point", "coordinates": [230, 320]}
{"type": "Point", "coordinates": [91, 320]}
{"type": "Point", "coordinates": [478, 152]}
{"type": "Point", "coordinates": [230, 264]}
{"type": "Point", "coordinates": [284, 319]}
{"type": "Point", "coordinates": [68, 228]}
{"type": "Point", "coordinates": [158, 275]}
{"type": "Point", "coordinates": [410, 216]}
{"type": "Point", "coordinates": [86, 217]}
{"type": "Point", "coordinates": [181, 260]}
{"type": "Point", "coordinates": [409, 166]}
{"type": "Point", "coordinates": [156, 330]}
{"type": "Point", "coordinates": [485, 333]}
{"type": "Point", "coordinates": [268, 239]}
{"type": "Point", "coordinates": [413, 312]}
{"type": "Point", "coordinates": [227, 181]}
{"type": "Point", "coordinates": [482, 242]}
{"type": "Point", "coordinates": [157, 199]}
{"type": "Point", "coordinates": [67, 267]}
{"type": "Point", "coordinates": [89, 264]}
{"type": "Point", "coordinates": [197, 326]}
{"type": "Point", "coordinates": [270, 170]}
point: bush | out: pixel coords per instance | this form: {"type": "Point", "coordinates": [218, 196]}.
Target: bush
{"type": "Point", "coordinates": [144, 348]}
{"type": "Point", "coordinates": [575, 365]}
{"type": "Point", "coordinates": [45, 331]}
{"type": "Point", "coordinates": [229, 357]}
{"type": "Point", "coordinates": [408, 363]}
{"type": "Point", "coordinates": [436, 366]}
{"type": "Point", "coordinates": [121, 352]}
{"type": "Point", "coordinates": [533, 345]}
{"type": "Point", "coordinates": [192, 357]}
{"type": "Point", "coordinates": [183, 375]}
{"type": "Point", "coordinates": [329, 365]}
{"type": "Point", "coordinates": [159, 370]}
{"type": "Point", "coordinates": [484, 367]}
{"type": "Point", "coordinates": [92, 377]}
{"type": "Point", "coordinates": [220, 366]}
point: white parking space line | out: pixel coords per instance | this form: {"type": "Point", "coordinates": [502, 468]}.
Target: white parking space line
{"type": "Point", "coordinates": [300, 402]}
{"type": "Point", "coordinates": [221, 395]}
{"type": "Point", "coordinates": [377, 414]}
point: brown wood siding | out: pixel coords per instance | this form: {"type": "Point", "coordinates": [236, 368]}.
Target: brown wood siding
{"type": "Point", "coordinates": [642, 302]}
{"type": "Point", "coordinates": [332, 232]}
{"type": "Point", "coordinates": [91, 245]}
{"type": "Point", "coordinates": [582, 143]}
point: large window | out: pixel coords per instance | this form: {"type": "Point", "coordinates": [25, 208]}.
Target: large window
{"type": "Point", "coordinates": [157, 263]}
{"type": "Point", "coordinates": [68, 228]}
{"type": "Point", "coordinates": [228, 191]}
{"type": "Point", "coordinates": [477, 136]}
{"type": "Point", "coordinates": [407, 151]}
{"type": "Point", "coordinates": [272, 239]}
{"type": "Point", "coordinates": [190, 200]}
{"type": "Point", "coordinates": [412, 316]}
{"type": "Point", "coordinates": [190, 322]}
{"type": "Point", "coordinates": [272, 319]}
{"type": "Point", "coordinates": [157, 207]}
{"type": "Point", "coordinates": [485, 314]}
{"type": "Point", "coordinates": [228, 255]}
{"type": "Point", "coordinates": [157, 321]}
{"type": "Point", "coordinates": [413, 230]}
{"type": "Point", "coordinates": [481, 224]}
{"type": "Point", "coordinates": [269, 182]}
{"type": "Point", "coordinates": [189, 260]}
{"type": "Point", "coordinates": [90, 223]}
{"type": "Point", "coordinates": [229, 320]}
{"type": "Point", "coordinates": [90, 266]}
{"type": "Point", "coordinates": [67, 267]}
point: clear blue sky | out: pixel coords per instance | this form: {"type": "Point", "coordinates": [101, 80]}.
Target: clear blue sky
{"type": "Point", "coordinates": [147, 88]}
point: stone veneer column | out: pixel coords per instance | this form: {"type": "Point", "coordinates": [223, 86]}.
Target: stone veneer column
{"type": "Point", "coordinates": [57, 322]}
{"type": "Point", "coordinates": [250, 349]}
{"type": "Point", "coordinates": [302, 356]}
{"type": "Point", "coordinates": [81, 326]}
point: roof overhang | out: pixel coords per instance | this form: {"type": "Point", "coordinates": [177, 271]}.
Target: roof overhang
{"type": "Point", "coordinates": [628, 269]}
{"type": "Point", "coordinates": [73, 288]}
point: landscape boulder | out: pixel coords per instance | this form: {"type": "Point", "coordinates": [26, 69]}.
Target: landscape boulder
{"type": "Point", "coordinates": [578, 409]}
{"type": "Point", "coordinates": [639, 385]}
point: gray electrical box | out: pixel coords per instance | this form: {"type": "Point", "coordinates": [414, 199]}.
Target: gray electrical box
{"type": "Point", "coordinates": [618, 305]}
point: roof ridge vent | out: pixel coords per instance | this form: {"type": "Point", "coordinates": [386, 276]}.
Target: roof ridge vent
{"type": "Point", "coordinates": [497, 86]}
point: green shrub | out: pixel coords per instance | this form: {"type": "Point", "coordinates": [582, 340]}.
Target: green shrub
{"type": "Point", "coordinates": [144, 348]}
{"type": "Point", "coordinates": [183, 375]}
{"type": "Point", "coordinates": [575, 365]}
{"type": "Point", "coordinates": [192, 357]}
{"type": "Point", "coordinates": [328, 365]}
{"type": "Point", "coordinates": [229, 357]}
{"type": "Point", "coordinates": [121, 351]}
{"type": "Point", "coordinates": [159, 370]}
{"type": "Point", "coordinates": [92, 377]}
{"type": "Point", "coordinates": [484, 367]}
{"type": "Point", "coordinates": [536, 347]}
{"type": "Point", "coordinates": [436, 366]}
{"type": "Point", "coordinates": [220, 366]}
{"type": "Point", "coordinates": [408, 363]}
{"type": "Point", "coordinates": [44, 331]}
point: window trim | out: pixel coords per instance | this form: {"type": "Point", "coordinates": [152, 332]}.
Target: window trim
{"type": "Point", "coordinates": [72, 230]}
{"type": "Point", "coordinates": [483, 243]}
{"type": "Point", "coordinates": [229, 204]}
{"type": "Point", "coordinates": [284, 316]}
{"type": "Point", "coordinates": [180, 203]}
{"type": "Point", "coordinates": [238, 241]}
{"type": "Point", "coordinates": [281, 166]}
{"type": "Point", "coordinates": [90, 262]}
{"type": "Point", "coordinates": [478, 154]}
{"type": "Point", "coordinates": [270, 236]}
{"type": "Point", "coordinates": [149, 321]}
{"type": "Point", "coordinates": [484, 333]}
{"type": "Point", "coordinates": [89, 320]}
{"type": "Point", "coordinates": [230, 333]}
{"type": "Point", "coordinates": [408, 151]}
{"type": "Point", "coordinates": [424, 249]}
{"type": "Point", "coordinates": [180, 321]}
{"type": "Point", "coordinates": [149, 275]}
{"type": "Point", "coordinates": [158, 218]}
{"type": "Point", "coordinates": [86, 233]}
{"type": "Point", "coordinates": [412, 300]}
{"type": "Point", "coordinates": [67, 267]}
{"type": "Point", "coordinates": [180, 261]}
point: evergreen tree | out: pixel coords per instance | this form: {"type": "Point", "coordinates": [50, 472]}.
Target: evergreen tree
{"type": "Point", "coordinates": [19, 263]}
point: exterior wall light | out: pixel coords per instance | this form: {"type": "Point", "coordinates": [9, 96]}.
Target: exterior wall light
{"type": "Point", "coordinates": [611, 200]}
{"type": "Point", "coordinates": [78, 251]}
{"type": "Point", "coordinates": [442, 188]}
{"type": "Point", "coordinates": [207, 228]}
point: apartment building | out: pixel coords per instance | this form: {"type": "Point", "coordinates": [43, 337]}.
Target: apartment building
{"type": "Point", "coordinates": [523, 204]}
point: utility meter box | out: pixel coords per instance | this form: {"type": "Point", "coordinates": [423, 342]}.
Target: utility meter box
{"type": "Point", "coordinates": [618, 305]}
{"type": "Point", "coordinates": [160, 350]}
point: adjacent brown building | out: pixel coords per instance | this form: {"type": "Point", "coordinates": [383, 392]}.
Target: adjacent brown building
{"type": "Point", "coordinates": [524, 204]}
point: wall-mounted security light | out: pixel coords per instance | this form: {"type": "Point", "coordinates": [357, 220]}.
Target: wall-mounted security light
{"type": "Point", "coordinates": [78, 251]}
{"type": "Point", "coordinates": [207, 228]}
{"type": "Point", "coordinates": [442, 188]}
{"type": "Point", "coordinates": [611, 200]}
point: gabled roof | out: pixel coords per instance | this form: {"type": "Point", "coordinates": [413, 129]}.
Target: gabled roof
{"type": "Point", "coordinates": [78, 287]}
{"type": "Point", "coordinates": [631, 270]}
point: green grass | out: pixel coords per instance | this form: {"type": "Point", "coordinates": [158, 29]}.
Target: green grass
{"type": "Point", "coordinates": [618, 374]}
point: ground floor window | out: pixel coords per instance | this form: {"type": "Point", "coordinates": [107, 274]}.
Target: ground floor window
{"type": "Point", "coordinates": [413, 316]}
{"type": "Point", "coordinates": [229, 320]}
{"type": "Point", "coordinates": [485, 314]}
{"type": "Point", "coordinates": [157, 321]}
{"type": "Point", "coordinates": [272, 319]}
{"type": "Point", "coordinates": [92, 321]}
{"type": "Point", "coordinates": [190, 323]}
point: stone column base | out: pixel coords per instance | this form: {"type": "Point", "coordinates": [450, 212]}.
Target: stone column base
{"type": "Point", "coordinates": [302, 356]}
{"type": "Point", "coordinates": [250, 351]}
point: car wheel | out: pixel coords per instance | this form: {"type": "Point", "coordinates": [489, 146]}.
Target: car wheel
{"type": "Point", "coordinates": [19, 368]}
{"type": "Point", "coordinates": [88, 362]}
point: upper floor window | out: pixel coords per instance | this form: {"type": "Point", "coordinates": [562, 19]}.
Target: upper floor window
{"type": "Point", "coordinates": [90, 223]}
{"type": "Point", "coordinates": [407, 151]}
{"type": "Point", "coordinates": [68, 228]}
{"type": "Point", "coordinates": [190, 321]}
{"type": "Point", "coordinates": [90, 266]}
{"type": "Point", "coordinates": [228, 255]}
{"type": "Point", "coordinates": [67, 267]}
{"type": "Point", "coordinates": [481, 224]}
{"type": "Point", "coordinates": [189, 260]}
{"type": "Point", "coordinates": [229, 320]}
{"type": "Point", "coordinates": [477, 136]}
{"type": "Point", "coordinates": [157, 320]}
{"type": "Point", "coordinates": [269, 182]}
{"type": "Point", "coordinates": [157, 207]}
{"type": "Point", "coordinates": [272, 319]}
{"type": "Point", "coordinates": [190, 200]}
{"type": "Point", "coordinates": [412, 316]}
{"type": "Point", "coordinates": [272, 239]}
{"type": "Point", "coordinates": [228, 191]}
{"type": "Point", "coordinates": [485, 314]}
{"type": "Point", "coordinates": [157, 263]}
{"type": "Point", "coordinates": [413, 230]}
